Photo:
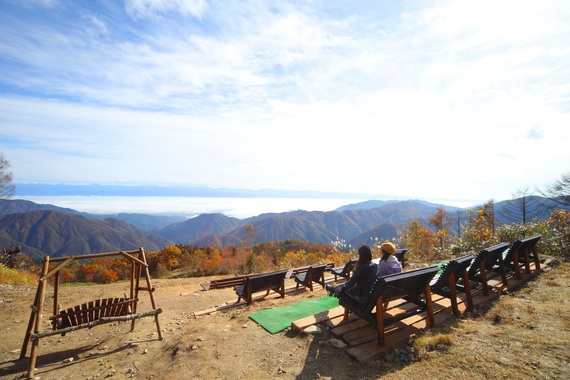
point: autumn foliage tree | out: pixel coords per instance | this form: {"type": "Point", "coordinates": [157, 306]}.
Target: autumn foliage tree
{"type": "Point", "coordinates": [558, 223]}
{"type": "Point", "coordinates": [419, 240]}
{"type": "Point", "coordinates": [479, 229]}
{"type": "Point", "coordinates": [441, 220]}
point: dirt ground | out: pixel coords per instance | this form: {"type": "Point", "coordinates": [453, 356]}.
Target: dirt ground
{"type": "Point", "coordinates": [221, 345]}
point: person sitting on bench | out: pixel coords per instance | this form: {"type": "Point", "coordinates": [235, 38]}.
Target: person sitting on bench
{"type": "Point", "coordinates": [388, 264]}
{"type": "Point", "coordinates": [363, 277]}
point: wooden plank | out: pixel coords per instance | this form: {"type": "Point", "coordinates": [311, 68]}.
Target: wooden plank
{"type": "Point", "coordinates": [97, 313]}
{"type": "Point", "coordinates": [303, 323]}
{"type": "Point", "coordinates": [360, 336]}
{"type": "Point", "coordinates": [90, 311]}
{"type": "Point", "coordinates": [78, 315]}
{"type": "Point", "coordinates": [342, 329]}
{"type": "Point", "coordinates": [334, 322]}
{"type": "Point", "coordinates": [371, 349]}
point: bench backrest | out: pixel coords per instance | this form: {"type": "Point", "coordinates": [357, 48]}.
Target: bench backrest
{"type": "Point", "coordinates": [265, 281]}
{"type": "Point", "coordinates": [488, 256]}
{"type": "Point", "coordinates": [456, 267]}
{"type": "Point", "coordinates": [530, 242]}
{"type": "Point", "coordinates": [398, 285]}
{"type": "Point", "coordinates": [508, 255]}
{"type": "Point", "coordinates": [296, 271]}
{"type": "Point", "coordinates": [400, 255]}
{"type": "Point", "coordinates": [349, 266]}
{"type": "Point", "coordinates": [442, 280]}
{"type": "Point", "coordinates": [316, 271]}
{"type": "Point", "coordinates": [93, 311]}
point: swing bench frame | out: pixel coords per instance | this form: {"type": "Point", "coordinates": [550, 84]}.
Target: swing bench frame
{"type": "Point", "coordinates": [89, 314]}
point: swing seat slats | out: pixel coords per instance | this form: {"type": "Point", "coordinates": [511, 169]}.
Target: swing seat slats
{"type": "Point", "coordinates": [93, 311]}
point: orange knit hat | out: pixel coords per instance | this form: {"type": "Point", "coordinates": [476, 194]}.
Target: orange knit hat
{"type": "Point", "coordinates": [388, 247]}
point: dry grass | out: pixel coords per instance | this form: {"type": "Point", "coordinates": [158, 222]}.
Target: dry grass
{"type": "Point", "coordinates": [431, 343]}
{"type": "Point", "coordinates": [16, 277]}
{"type": "Point", "coordinates": [524, 335]}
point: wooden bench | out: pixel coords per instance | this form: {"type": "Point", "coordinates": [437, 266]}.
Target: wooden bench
{"type": "Point", "coordinates": [230, 282]}
{"type": "Point", "coordinates": [256, 283]}
{"type": "Point", "coordinates": [315, 273]}
{"type": "Point", "coordinates": [413, 286]}
{"type": "Point", "coordinates": [92, 311]}
{"type": "Point", "coordinates": [484, 261]}
{"type": "Point", "coordinates": [343, 271]}
{"type": "Point", "coordinates": [445, 283]}
{"type": "Point", "coordinates": [296, 271]}
{"type": "Point", "coordinates": [401, 256]}
{"type": "Point", "coordinates": [530, 252]}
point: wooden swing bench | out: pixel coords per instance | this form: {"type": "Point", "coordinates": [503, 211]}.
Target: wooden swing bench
{"type": "Point", "coordinates": [88, 314]}
{"type": "Point", "coordinates": [92, 313]}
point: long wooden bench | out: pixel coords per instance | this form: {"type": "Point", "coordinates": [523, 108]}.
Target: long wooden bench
{"type": "Point", "coordinates": [401, 256]}
{"type": "Point", "coordinates": [413, 286]}
{"type": "Point", "coordinates": [530, 252]}
{"type": "Point", "coordinates": [296, 271]}
{"type": "Point", "coordinates": [229, 282]}
{"type": "Point", "coordinates": [315, 273]}
{"type": "Point", "coordinates": [343, 271]}
{"type": "Point", "coordinates": [256, 283]}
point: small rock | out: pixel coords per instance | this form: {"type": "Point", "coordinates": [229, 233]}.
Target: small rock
{"type": "Point", "coordinates": [314, 329]}
{"type": "Point", "coordinates": [337, 343]}
{"type": "Point", "coordinates": [193, 347]}
{"type": "Point", "coordinates": [200, 339]}
{"type": "Point", "coordinates": [145, 351]}
{"type": "Point", "coordinates": [244, 326]}
{"type": "Point", "coordinates": [68, 360]}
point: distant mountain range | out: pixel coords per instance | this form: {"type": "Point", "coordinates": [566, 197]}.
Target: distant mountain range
{"type": "Point", "coordinates": [42, 189]}
{"type": "Point", "coordinates": [50, 230]}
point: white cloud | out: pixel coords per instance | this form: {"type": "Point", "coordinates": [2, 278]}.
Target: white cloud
{"type": "Point", "coordinates": [150, 8]}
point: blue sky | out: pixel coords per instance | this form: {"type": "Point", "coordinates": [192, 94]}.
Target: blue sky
{"type": "Point", "coordinates": [458, 100]}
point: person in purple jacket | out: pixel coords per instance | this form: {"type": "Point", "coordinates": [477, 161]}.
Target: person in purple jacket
{"type": "Point", "coordinates": [388, 264]}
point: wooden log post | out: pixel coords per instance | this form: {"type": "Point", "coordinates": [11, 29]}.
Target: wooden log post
{"type": "Point", "coordinates": [380, 320]}
{"type": "Point", "coordinates": [467, 290]}
{"type": "Point", "coordinates": [429, 306]}
{"type": "Point", "coordinates": [38, 317]}
{"type": "Point", "coordinates": [453, 295]}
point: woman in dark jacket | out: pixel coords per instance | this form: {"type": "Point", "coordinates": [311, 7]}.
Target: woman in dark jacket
{"type": "Point", "coordinates": [362, 278]}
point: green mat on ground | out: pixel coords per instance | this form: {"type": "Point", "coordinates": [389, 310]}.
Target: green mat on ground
{"type": "Point", "coordinates": [276, 320]}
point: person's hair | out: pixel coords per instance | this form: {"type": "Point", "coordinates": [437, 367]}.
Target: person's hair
{"type": "Point", "coordinates": [364, 254]}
